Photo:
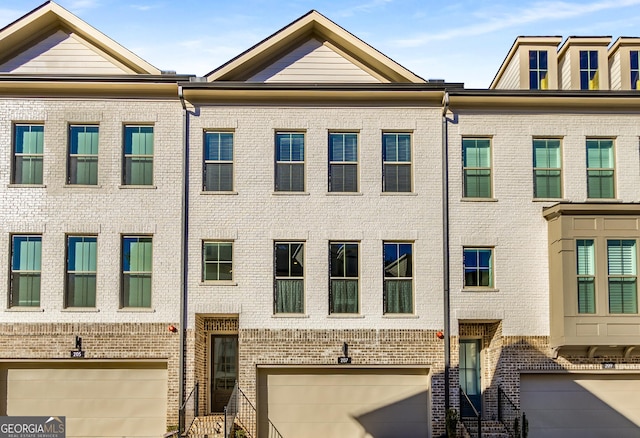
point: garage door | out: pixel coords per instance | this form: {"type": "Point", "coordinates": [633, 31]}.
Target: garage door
{"type": "Point", "coordinates": [98, 399]}
{"type": "Point", "coordinates": [581, 405]}
{"type": "Point", "coordinates": [344, 402]}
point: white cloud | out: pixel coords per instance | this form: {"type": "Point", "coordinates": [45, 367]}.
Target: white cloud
{"type": "Point", "coordinates": [363, 7]}
{"type": "Point", "coordinates": [540, 11]}
{"type": "Point", "coordinates": [77, 6]}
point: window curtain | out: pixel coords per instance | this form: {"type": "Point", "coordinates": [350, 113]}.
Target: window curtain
{"type": "Point", "coordinates": [289, 296]}
{"type": "Point", "coordinates": [399, 296]}
{"type": "Point", "coordinates": [344, 296]}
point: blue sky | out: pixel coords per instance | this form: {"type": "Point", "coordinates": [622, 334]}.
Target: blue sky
{"type": "Point", "coordinates": [457, 40]}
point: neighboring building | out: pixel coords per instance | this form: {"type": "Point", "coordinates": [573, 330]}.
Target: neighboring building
{"type": "Point", "coordinates": [91, 136]}
{"type": "Point", "coordinates": [310, 211]}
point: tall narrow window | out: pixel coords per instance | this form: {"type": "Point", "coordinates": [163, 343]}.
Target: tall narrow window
{"type": "Point", "coordinates": [218, 161]}
{"type": "Point", "coordinates": [81, 271]}
{"type": "Point", "coordinates": [478, 267]}
{"type": "Point", "coordinates": [217, 259]}
{"type": "Point", "coordinates": [28, 153]}
{"type": "Point", "coordinates": [343, 162]}
{"type": "Point", "coordinates": [476, 156]}
{"type": "Point", "coordinates": [290, 162]}
{"type": "Point", "coordinates": [589, 77]}
{"type": "Point", "coordinates": [635, 69]}
{"type": "Point", "coordinates": [538, 70]}
{"type": "Point", "coordinates": [547, 168]}
{"type": "Point", "coordinates": [138, 155]}
{"type": "Point", "coordinates": [622, 267]}
{"type": "Point", "coordinates": [398, 278]}
{"type": "Point", "coordinates": [25, 270]}
{"type": "Point", "coordinates": [289, 277]}
{"type": "Point", "coordinates": [396, 157]}
{"type": "Point", "coordinates": [586, 270]}
{"type": "Point", "coordinates": [83, 155]}
{"type": "Point", "coordinates": [136, 271]}
{"type": "Point", "coordinates": [343, 286]}
{"type": "Point", "coordinates": [600, 169]}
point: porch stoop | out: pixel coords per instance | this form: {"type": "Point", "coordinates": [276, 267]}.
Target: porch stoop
{"type": "Point", "coordinates": [210, 426]}
{"type": "Point", "coordinates": [490, 429]}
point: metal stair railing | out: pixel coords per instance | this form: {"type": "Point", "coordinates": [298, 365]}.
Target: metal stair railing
{"type": "Point", "coordinates": [241, 411]}
{"type": "Point", "coordinates": [468, 422]}
{"type": "Point", "coordinates": [509, 414]}
{"type": "Point", "coordinates": [188, 411]}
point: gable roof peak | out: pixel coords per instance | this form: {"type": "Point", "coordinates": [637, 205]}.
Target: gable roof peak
{"type": "Point", "coordinates": [311, 25]}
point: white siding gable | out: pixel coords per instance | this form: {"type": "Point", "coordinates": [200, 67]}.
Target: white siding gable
{"type": "Point", "coordinates": [511, 77]}
{"type": "Point", "coordinates": [313, 61]}
{"type": "Point", "coordinates": [63, 53]}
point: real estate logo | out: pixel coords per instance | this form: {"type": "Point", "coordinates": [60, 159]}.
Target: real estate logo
{"type": "Point", "coordinates": [32, 427]}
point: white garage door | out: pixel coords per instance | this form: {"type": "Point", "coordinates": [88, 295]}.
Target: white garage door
{"type": "Point", "coordinates": [98, 399]}
{"type": "Point", "coordinates": [581, 405]}
{"type": "Point", "coordinates": [344, 402]}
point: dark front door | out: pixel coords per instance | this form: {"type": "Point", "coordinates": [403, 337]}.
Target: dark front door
{"type": "Point", "coordinates": [224, 370]}
{"type": "Point", "coordinates": [470, 375]}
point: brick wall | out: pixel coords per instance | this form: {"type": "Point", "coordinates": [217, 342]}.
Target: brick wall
{"type": "Point", "coordinates": [125, 341]}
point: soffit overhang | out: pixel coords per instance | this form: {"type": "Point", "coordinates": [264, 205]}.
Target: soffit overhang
{"type": "Point", "coordinates": [549, 100]}
{"type": "Point", "coordinates": [311, 25]}
{"type": "Point", "coordinates": [226, 92]}
{"type": "Point", "coordinates": [50, 17]}
{"type": "Point", "coordinates": [117, 86]}
{"type": "Point", "coordinates": [590, 209]}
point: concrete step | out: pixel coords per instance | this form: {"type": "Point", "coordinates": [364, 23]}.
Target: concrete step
{"type": "Point", "coordinates": [490, 429]}
{"type": "Point", "coordinates": [210, 426]}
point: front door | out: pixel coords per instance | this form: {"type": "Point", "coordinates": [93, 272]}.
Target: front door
{"type": "Point", "coordinates": [224, 370]}
{"type": "Point", "coordinates": [470, 375]}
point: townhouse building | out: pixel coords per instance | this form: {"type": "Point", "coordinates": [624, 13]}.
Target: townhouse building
{"type": "Point", "coordinates": [278, 227]}
{"type": "Point", "coordinates": [91, 279]}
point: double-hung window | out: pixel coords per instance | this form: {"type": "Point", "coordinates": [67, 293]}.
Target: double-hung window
{"type": "Point", "coordinates": [137, 256]}
{"type": "Point", "coordinates": [634, 64]}
{"type": "Point", "coordinates": [343, 284]}
{"type": "Point", "coordinates": [289, 162]}
{"type": "Point", "coordinates": [589, 77]}
{"type": "Point", "coordinates": [83, 155]}
{"type": "Point", "coordinates": [396, 158]}
{"type": "Point", "coordinates": [218, 161]}
{"type": "Point", "coordinates": [138, 155]}
{"type": "Point", "coordinates": [28, 154]}
{"type": "Point", "coordinates": [586, 270]}
{"type": "Point", "coordinates": [478, 267]}
{"type": "Point", "coordinates": [26, 262]}
{"type": "Point", "coordinates": [217, 261]}
{"type": "Point", "coordinates": [81, 271]}
{"type": "Point", "coordinates": [538, 70]}
{"type": "Point", "coordinates": [398, 277]}
{"type": "Point", "coordinates": [476, 157]}
{"type": "Point", "coordinates": [343, 162]}
{"type": "Point", "coordinates": [289, 277]}
{"type": "Point", "coordinates": [547, 168]}
{"type": "Point", "coordinates": [622, 276]}
{"type": "Point", "coordinates": [600, 169]}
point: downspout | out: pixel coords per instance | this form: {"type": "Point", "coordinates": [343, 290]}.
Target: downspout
{"type": "Point", "coordinates": [445, 249]}
{"type": "Point", "coordinates": [184, 248]}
